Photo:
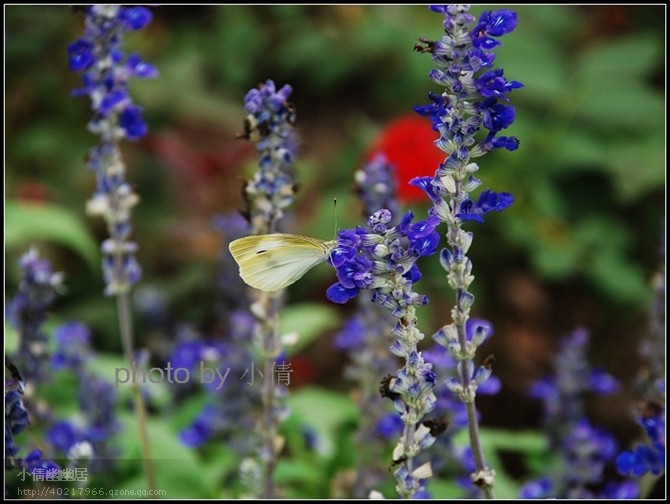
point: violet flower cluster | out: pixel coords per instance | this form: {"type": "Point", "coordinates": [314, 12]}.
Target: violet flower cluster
{"type": "Point", "coordinates": [230, 405]}
{"type": "Point", "coordinates": [96, 423]}
{"type": "Point", "coordinates": [27, 312]}
{"type": "Point", "coordinates": [649, 457]}
{"type": "Point", "coordinates": [447, 459]}
{"type": "Point", "coordinates": [562, 394]}
{"type": "Point", "coordinates": [365, 338]}
{"type": "Point", "coordinates": [470, 101]}
{"type": "Point", "coordinates": [583, 451]}
{"type": "Point", "coordinates": [17, 420]}
{"type": "Point", "coordinates": [269, 123]}
{"type": "Point", "coordinates": [474, 98]}
{"type": "Point", "coordinates": [377, 187]}
{"type": "Point", "coordinates": [383, 260]}
{"type": "Point", "coordinates": [229, 410]}
{"type": "Point", "coordinates": [106, 72]}
{"type": "Point", "coordinates": [16, 414]}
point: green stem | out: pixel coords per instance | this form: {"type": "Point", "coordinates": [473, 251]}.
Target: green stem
{"type": "Point", "coordinates": [408, 436]}
{"type": "Point", "coordinates": [271, 349]}
{"type": "Point", "coordinates": [473, 425]}
{"type": "Point", "coordinates": [126, 327]}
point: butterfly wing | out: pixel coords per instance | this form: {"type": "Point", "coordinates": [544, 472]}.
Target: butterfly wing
{"type": "Point", "coordinates": [274, 261]}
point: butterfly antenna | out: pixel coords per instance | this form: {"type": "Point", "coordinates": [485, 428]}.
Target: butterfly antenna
{"type": "Point", "coordinates": [335, 210]}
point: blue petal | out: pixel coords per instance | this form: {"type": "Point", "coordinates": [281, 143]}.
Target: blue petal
{"type": "Point", "coordinates": [136, 18]}
{"type": "Point", "coordinates": [337, 293]}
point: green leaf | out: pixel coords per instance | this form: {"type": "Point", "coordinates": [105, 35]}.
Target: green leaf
{"type": "Point", "coordinates": [638, 165]}
{"type": "Point", "coordinates": [579, 149]}
{"type": "Point", "coordinates": [11, 338]}
{"type": "Point", "coordinates": [622, 59]}
{"type": "Point", "coordinates": [323, 411]}
{"type": "Point", "coordinates": [308, 321]}
{"type": "Point", "coordinates": [601, 233]}
{"type": "Point", "coordinates": [61, 393]}
{"type": "Point", "coordinates": [537, 39]}
{"type": "Point", "coordinates": [225, 462]}
{"type": "Point", "coordinates": [298, 471]}
{"type": "Point", "coordinates": [27, 223]}
{"type": "Point", "coordinates": [233, 26]}
{"type": "Point", "coordinates": [612, 88]}
{"type": "Point", "coordinates": [518, 441]}
{"type": "Point", "coordinates": [495, 441]}
{"type": "Point", "coordinates": [540, 463]}
{"type": "Point", "coordinates": [556, 257]}
{"type": "Point", "coordinates": [616, 276]}
{"type": "Point", "coordinates": [440, 489]}
{"type": "Point", "coordinates": [177, 467]}
{"type": "Point", "coordinates": [613, 105]}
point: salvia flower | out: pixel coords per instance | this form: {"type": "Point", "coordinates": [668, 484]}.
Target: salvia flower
{"type": "Point", "coordinates": [96, 422]}
{"type": "Point", "coordinates": [16, 415]}
{"type": "Point", "coordinates": [97, 403]}
{"type": "Point", "coordinates": [229, 408]}
{"type": "Point", "coordinates": [583, 451]}
{"type": "Point", "coordinates": [584, 455]}
{"type": "Point", "coordinates": [17, 419]}
{"type": "Point", "coordinates": [365, 336]}
{"type": "Point", "coordinates": [650, 457]}
{"type": "Point", "coordinates": [106, 71]}
{"type": "Point", "coordinates": [468, 115]}
{"type": "Point", "coordinates": [231, 401]}
{"type": "Point", "coordinates": [270, 123]}
{"type": "Point", "coordinates": [36, 465]}
{"type": "Point", "coordinates": [563, 393]}
{"type": "Point", "coordinates": [99, 55]}
{"type": "Point", "coordinates": [72, 346]}
{"type": "Point", "coordinates": [377, 186]}
{"type": "Point", "coordinates": [64, 434]}
{"type": "Point", "coordinates": [27, 312]}
{"type": "Point", "coordinates": [383, 260]}
{"type": "Point", "coordinates": [488, 201]}
{"type": "Point", "coordinates": [493, 24]}
{"type": "Point", "coordinates": [229, 284]}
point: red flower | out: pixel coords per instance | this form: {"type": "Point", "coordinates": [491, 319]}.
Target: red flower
{"type": "Point", "coordinates": [407, 143]}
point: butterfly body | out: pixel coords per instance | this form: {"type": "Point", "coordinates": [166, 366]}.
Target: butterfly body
{"type": "Point", "coordinates": [272, 262]}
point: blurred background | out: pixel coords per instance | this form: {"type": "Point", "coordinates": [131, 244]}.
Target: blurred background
{"type": "Point", "coordinates": [578, 248]}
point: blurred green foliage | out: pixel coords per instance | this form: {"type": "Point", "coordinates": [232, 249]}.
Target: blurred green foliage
{"type": "Point", "coordinates": [588, 178]}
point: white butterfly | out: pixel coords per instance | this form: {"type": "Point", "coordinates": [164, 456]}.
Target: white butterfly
{"type": "Point", "coordinates": [272, 262]}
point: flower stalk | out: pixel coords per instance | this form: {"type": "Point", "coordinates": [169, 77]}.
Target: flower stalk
{"type": "Point", "coordinates": [383, 260]}
{"type": "Point", "coordinates": [469, 102]}
{"type": "Point", "coordinates": [106, 71]}
{"type": "Point", "coordinates": [269, 123]}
